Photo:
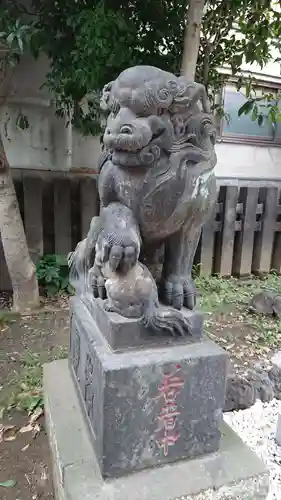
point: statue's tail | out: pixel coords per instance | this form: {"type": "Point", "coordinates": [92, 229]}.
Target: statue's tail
{"type": "Point", "coordinates": [166, 321]}
{"type": "Point", "coordinates": [78, 267]}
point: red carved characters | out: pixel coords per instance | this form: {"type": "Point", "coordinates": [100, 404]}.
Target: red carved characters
{"type": "Point", "coordinates": [168, 390]}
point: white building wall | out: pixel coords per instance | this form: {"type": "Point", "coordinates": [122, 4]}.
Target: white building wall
{"type": "Point", "coordinates": [44, 144]}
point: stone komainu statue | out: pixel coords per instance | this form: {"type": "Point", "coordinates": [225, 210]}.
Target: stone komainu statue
{"type": "Point", "coordinates": [157, 188]}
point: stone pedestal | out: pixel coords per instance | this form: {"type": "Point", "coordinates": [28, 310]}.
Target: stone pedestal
{"type": "Point", "coordinates": [143, 423]}
{"type": "Point", "coordinates": [145, 406]}
{"type": "Point", "coordinates": [234, 472]}
{"type": "Point", "coordinates": [124, 333]}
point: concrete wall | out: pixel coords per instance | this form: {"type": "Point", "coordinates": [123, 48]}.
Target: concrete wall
{"type": "Point", "coordinates": [248, 161]}
{"type": "Point", "coordinates": [45, 143]}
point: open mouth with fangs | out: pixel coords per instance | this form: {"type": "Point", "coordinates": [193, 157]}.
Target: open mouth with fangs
{"type": "Point", "coordinates": [131, 151]}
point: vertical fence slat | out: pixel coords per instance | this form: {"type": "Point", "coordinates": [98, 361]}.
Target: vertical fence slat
{"type": "Point", "coordinates": [33, 219]}
{"type": "Point", "coordinates": [276, 254]}
{"type": "Point", "coordinates": [207, 244]}
{"type": "Point", "coordinates": [62, 216]}
{"type": "Point", "coordinates": [243, 253]}
{"type": "Point", "coordinates": [228, 231]}
{"type": "Point", "coordinates": [89, 203]}
{"type": "Point", "coordinates": [276, 258]}
{"type": "Point", "coordinates": [264, 240]}
{"type": "Point", "coordinates": [206, 260]}
{"type": "Point", "coordinates": [48, 216]}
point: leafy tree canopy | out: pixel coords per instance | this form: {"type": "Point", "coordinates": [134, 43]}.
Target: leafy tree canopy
{"type": "Point", "coordinates": [89, 42]}
{"type": "Point", "coordinates": [15, 35]}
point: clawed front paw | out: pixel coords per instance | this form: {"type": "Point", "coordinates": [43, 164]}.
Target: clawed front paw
{"type": "Point", "coordinates": [120, 257]}
{"type": "Point", "coordinates": [178, 292]}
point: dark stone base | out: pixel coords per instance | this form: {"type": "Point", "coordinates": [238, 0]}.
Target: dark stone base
{"type": "Point", "coordinates": [234, 472]}
{"type": "Point", "coordinates": [121, 332]}
{"type": "Point", "coordinates": [146, 407]}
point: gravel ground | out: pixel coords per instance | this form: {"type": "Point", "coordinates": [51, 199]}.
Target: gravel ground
{"type": "Point", "coordinates": [257, 427]}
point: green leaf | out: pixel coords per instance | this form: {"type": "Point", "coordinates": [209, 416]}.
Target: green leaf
{"type": "Point", "coordinates": [260, 119]}
{"type": "Point", "coordinates": [254, 113]}
{"type": "Point", "coordinates": [52, 274]}
{"type": "Point", "coordinates": [8, 484]}
{"type": "Point", "coordinates": [35, 401]}
{"type": "Point", "coordinates": [10, 38]}
{"type": "Point", "coordinates": [52, 289]}
{"type": "Point", "coordinates": [64, 283]}
{"type": "Point", "coordinates": [22, 122]}
{"type": "Point", "coordinates": [20, 43]}
{"type": "Point", "coordinates": [61, 260]}
{"type": "Point", "coordinates": [246, 108]}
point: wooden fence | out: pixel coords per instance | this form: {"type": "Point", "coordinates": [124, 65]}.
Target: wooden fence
{"type": "Point", "coordinates": [243, 236]}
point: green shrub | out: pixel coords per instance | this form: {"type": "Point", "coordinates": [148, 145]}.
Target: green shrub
{"type": "Point", "coordinates": [53, 275]}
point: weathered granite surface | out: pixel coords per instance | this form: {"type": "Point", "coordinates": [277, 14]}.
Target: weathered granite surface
{"type": "Point", "coordinates": [275, 374]}
{"type": "Point", "coordinates": [232, 473]}
{"type": "Point", "coordinates": [146, 407]}
{"type": "Point", "coordinates": [262, 381]}
{"type": "Point", "coordinates": [121, 332]}
{"type": "Point", "coordinates": [157, 188]}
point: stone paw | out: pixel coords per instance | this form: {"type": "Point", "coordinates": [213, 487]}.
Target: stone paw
{"type": "Point", "coordinates": [119, 256]}
{"type": "Point", "coordinates": [178, 292]}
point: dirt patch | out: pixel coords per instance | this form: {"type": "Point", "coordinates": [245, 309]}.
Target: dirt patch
{"type": "Point", "coordinates": [240, 339]}
{"type": "Point", "coordinates": [25, 344]}
{"type": "Point", "coordinates": [248, 338]}
{"type": "Point", "coordinates": [28, 462]}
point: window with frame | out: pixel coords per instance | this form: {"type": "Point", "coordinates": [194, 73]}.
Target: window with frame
{"type": "Point", "coordinates": [235, 128]}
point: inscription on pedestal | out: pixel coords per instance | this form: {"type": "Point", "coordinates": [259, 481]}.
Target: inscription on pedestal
{"type": "Point", "coordinates": [168, 432]}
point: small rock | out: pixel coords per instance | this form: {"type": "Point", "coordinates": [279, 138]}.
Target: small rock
{"type": "Point", "coordinates": [262, 383]}
{"type": "Point", "coordinates": [275, 374]}
{"type": "Point", "coordinates": [277, 306]}
{"type": "Point", "coordinates": [240, 393]}
{"type": "Point", "coordinates": [243, 389]}
{"type": "Point", "coordinates": [262, 303]}
{"type": "Point", "coordinates": [275, 377]}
